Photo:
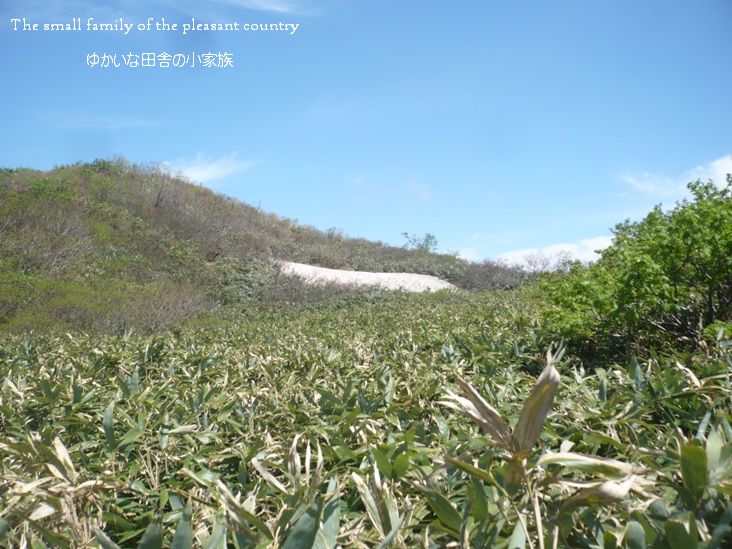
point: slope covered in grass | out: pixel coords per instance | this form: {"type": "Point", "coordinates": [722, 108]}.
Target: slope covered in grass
{"type": "Point", "coordinates": [107, 246]}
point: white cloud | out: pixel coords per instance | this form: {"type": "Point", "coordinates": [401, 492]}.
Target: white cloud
{"type": "Point", "coordinates": [204, 169]}
{"type": "Point", "coordinates": [584, 250]}
{"type": "Point", "coordinates": [674, 186]}
{"type": "Point", "coordinates": [720, 168]}
{"type": "Point", "coordinates": [279, 6]}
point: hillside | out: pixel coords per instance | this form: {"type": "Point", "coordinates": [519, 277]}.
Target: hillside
{"type": "Point", "coordinates": [107, 246]}
{"type": "Point", "coordinates": [589, 409]}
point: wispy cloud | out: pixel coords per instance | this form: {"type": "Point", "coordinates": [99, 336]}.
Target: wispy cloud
{"type": "Point", "coordinates": [278, 6]}
{"type": "Point", "coordinates": [99, 122]}
{"type": "Point", "coordinates": [133, 9]}
{"type": "Point", "coordinates": [291, 7]}
{"type": "Point", "coordinates": [674, 186]}
{"type": "Point", "coordinates": [546, 257]}
{"type": "Point", "coordinates": [205, 169]}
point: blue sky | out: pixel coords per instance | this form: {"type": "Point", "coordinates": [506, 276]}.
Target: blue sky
{"type": "Point", "coordinates": [502, 127]}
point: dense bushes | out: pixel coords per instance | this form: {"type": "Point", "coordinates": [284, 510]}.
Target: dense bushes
{"type": "Point", "coordinates": [663, 279]}
{"type": "Point", "coordinates": [491, 275]}
{"type": "Point", "coordinates": [338, 424]}
{"type": "Point", "coordinates": [112, 306]}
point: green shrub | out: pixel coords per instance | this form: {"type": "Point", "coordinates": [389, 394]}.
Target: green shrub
{"type": "Point", "coordinates": [663, 279]}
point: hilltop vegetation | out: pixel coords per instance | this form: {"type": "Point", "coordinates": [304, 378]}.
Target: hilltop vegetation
{"type": "Point", "coordinates": [590, 408]}
{"type": "Point", "coordinates": [108, 246]}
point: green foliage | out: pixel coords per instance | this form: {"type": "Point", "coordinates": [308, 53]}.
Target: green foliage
{"type": "Point", "coordinates": [56, 188]}
{"type": "Point", "coordinates": [242, 281]}
{"type": "Point", "coordinates": [332, 425]}
{"type": "Point", "coordinates": [96, 305]}
{"type": "Point", "coordinates": [663, 279]}
{"type": "Point", "coordinates": [278, 414]}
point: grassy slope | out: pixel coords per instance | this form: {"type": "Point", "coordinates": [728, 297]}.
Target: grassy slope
{"type": "Point", "coordinates": [106, 245]}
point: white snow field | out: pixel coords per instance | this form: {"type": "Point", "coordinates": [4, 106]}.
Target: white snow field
{"type": "Point", "coordinates": [407, 282]}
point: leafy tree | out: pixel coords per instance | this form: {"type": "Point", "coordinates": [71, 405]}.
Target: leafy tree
{"type": "Point", "coordinates": [665, 277]}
